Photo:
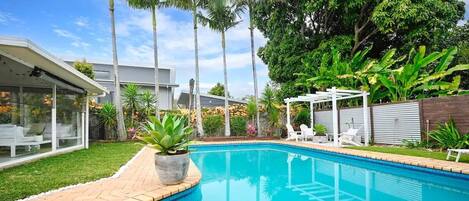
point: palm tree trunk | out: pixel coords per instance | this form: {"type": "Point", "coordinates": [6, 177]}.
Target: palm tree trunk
{"type": "Point", "coordinates": [254, 71]}
{"type": "Point", "coordinates": [155, 54]}
{"type": "Point", "coordinates": [198, 111]}
{"type": "Point", "coordinates": [225, 72]}
{"type": "Point", "coordinates": [117, 92]}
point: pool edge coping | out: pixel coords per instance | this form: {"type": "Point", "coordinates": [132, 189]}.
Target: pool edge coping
{"type": "Point", "coordinates": [413, 161]}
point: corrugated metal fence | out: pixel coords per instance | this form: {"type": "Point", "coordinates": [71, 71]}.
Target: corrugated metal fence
{"type": "Point", "coordinates": [395, 122]}
{"type": "Point", "coordinates": [390, 123]}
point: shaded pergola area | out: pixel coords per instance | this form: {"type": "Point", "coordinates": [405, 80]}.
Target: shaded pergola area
{"type": "Point", "coordinates": [333, 95]}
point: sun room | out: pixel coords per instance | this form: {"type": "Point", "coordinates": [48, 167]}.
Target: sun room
{"type": "Point", "coordinates": [43, 103]}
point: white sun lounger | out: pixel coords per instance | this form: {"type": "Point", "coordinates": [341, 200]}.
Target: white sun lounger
{"type": "Point", "coordinates": [348, 136]}
{"type": "Point", "coordinates": [459, 153]}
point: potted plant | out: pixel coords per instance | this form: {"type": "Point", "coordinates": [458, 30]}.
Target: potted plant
{"type": "Point", "coordinates": [320, 135]}
{"type": "Point", "coordinates": [170, 137]}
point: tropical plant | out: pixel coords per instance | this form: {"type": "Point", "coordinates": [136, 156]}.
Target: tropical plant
{"type": "Point", "coordinates": [147, 99]}
{"type": "Point", "coordinates": [320, 129]}
{"type": "Point", "coordinates": [131, 99]}
{"type": "Point", "coordinates": [85, 68]}
{"type": "Point", "coordinates": [212, 124]}
{"type": "Point", "coordinates": [270, 104]}
{"type": "Point", "coordinates": [448, 136]}
{"type": "Point", "coordinates": [193, 5]}
{"type": "Point", "coordinates": [220, 16]}
{"type": "Point", "coordinates": [169, 136]}
{"type": "Point", "coordinates": [302, 117]}
{"type": "Point", "coordinates": [423, 75]}
{"type": "Point", "coordinates": [107, 117]}
{"type": "Point", "coordinates": [117, 91]}
{"type": "Point", "coordinates": [238, 125]}
{"type": "Point", "coordinates": [251, 108]}
{"type": "Point", "coordinates": [152, 5]}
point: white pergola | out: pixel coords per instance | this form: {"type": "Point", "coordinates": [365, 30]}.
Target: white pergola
{"type": "Point", "coordinates": [333, 95]}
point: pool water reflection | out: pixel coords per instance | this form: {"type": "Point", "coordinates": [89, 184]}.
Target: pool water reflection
{"type": "Point", "coordinates": [275, 172]}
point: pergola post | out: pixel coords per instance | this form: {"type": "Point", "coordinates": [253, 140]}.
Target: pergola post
{"type": "Point", "coordinates": [335, 121]}
{"type": "Point", "coordinates": [288, 112]}
{"type": "Point", "coordinates": [365, 117]}
{"type": "Point", "coordinates": [311, 112]}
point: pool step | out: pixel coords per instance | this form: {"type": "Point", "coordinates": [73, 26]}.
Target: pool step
{"type": "Point", "coordinates": [322, 192]}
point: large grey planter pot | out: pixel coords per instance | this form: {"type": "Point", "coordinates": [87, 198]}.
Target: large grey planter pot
{"type": "Point", "coordinates": [319, 139]}
{"type": "Point", "coordinates": [172, 169]}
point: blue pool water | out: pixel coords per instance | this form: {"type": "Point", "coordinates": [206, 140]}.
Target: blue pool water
{"type": "Point", "coordinates": [264, 172]}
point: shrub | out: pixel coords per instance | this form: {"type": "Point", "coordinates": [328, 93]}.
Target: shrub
{"type": "Point", "coordinates": [238, 125]}
{"type": "Point", "coordinates": [320, 129]}
{"type": "Point", "coordinates": [302, 117]}
{"type": "Point", "coordinates": [251, 130]}
{"type": "Point", "coordinates": [448, 136]}
{"type": "Point", "coordinates": [212, 124]}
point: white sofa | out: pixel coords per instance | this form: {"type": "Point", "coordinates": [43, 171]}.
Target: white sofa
{"type": "Point", "coordinates": [64, 132]}
{"type": "Point", "coordinates": [13, 136]}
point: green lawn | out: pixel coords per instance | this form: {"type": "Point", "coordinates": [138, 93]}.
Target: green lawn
{"type": "Point", "coordinates": [101, 160]}
{"type": "Point", "coordinates": [411, 152]}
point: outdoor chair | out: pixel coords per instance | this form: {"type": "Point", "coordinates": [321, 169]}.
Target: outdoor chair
{"type": "Point", "coordinates": [307, 132]}
{"type": "Point", "coordinates": [292, 134]}
{"type": "Point", "coordinates": [348, 137]}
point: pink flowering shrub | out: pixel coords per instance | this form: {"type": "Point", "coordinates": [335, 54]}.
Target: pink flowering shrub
{"type": "Point", "coordinates": [251, 130]}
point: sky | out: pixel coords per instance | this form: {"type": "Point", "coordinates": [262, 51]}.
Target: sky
{"type": "Point", "coordinates": [78, 29]}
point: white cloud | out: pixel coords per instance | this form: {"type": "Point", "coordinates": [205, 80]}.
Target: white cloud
{"type": "Point", "coordinates": [76, 40]}
{"type": "Point", "coordinates": [66, 34]}
{"type": "Point", "coordinates": [82, 22]}
{"type": "Point", "coordinates": [6, 18]}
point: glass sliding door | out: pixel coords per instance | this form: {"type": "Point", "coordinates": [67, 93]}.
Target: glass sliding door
{"type": "Point", "coordinates": [70, 107]}
{"type": "Point", "coordinates": [25, 122]}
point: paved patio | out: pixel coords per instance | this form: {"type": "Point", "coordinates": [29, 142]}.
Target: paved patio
{"type": "Point", "coordinates": [138, 181]}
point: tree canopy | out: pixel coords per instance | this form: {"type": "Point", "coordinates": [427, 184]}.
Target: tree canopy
{"type": "Point", "coordinates": [305, 30]}
{"type": "Point", "coordinates": [85, 68]}
{"type": "Point", "coordinates": [217, 90]}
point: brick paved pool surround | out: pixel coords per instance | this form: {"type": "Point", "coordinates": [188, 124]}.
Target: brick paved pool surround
{"type": "Point", "coordinates": [139, 181]}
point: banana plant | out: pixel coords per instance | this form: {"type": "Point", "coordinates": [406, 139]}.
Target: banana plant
{"type": "Point", "coordinates": [169, 136]}
{"type": "Point", "coordinates": [422, 75]}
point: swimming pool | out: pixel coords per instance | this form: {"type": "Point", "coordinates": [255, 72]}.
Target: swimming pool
{"type": "Point", "coordinates": [264, 172]}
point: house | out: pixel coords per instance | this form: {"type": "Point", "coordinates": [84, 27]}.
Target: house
{"type": "Point", "coordinates": [139, 75]}
{"type": "Point", "coordinates": [43, 103]}
{"type": "Point", "coordinates": [206, 100]}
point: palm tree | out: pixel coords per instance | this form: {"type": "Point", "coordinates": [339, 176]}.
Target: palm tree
{"type": "Point", "coordinates": [249, 4]}
{"type": "Point", "coordinates": [221, 16]}
{"type": "Point", "coordinates": [117, 93]}
{"type": "Point", "coordinates": [153, 6]}
{"type": "Point", "coordinates": [192, 6]}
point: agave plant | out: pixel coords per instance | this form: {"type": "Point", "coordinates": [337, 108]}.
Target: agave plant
{"type": "Point", "coordinates": [169, 136]}
{"type": "Point", "coordinates": [448, 136]}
